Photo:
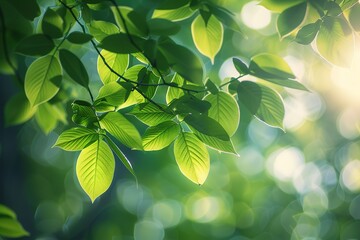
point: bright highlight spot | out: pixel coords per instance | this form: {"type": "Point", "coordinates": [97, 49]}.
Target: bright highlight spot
{"type": "Point", "coordinates": [307, 179]}
{"type": "Point", "coordinates": [255, 16]}
{"type": "Point", "coordinates": [348, 122]}
{"type": "Point", "coordinates": [203, 210]}
{"type": "Point", "coordinates": [350, 176]}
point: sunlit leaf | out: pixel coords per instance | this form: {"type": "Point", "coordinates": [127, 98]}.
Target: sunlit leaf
{"type": "Point", "coordinates": [101, 29]}
{"type": "Point", "coordinates": [46, 117]}
{"type": "Point", "coordinates": [76, 139]}
{"type": "Point", "coordinates": [135, 22]}
{"type": "Point", "coordinates": [150, 114]}
{"type": "Point", "coordinates": [122, 129]}
{"type": "Point", "coordinates": [335, 41]}
{"type": "Point", "coordinates": [35, 45]}
{"type": "Point", "coordinates": [192, 157]}
{"type": "Point", "coordinates": [113, 93]}
{"type": "Point", "coordinates": [263, 102]}
{"type": "Point", "coordinates": [42, 79]}
{"type": "Point", "coordinates": [291, 18]}
{"type": "Point", "coordinates": [18, 110]}
{"type": "Point", "coordinates": [74, 67]}
{"type": "Point", "coordinates": [79, 37]}
{"type": "Point", "coordinates": [172, 92]}
{"type": "Point", "coordinates": [52, 24]}
{"type": "Point", "coordinates": [11, 228]}
{"type": "Point", "coordinates": [117, 62]}
{"type": "Point", "coordinates": [207, 126]}
{"type": "Point", "coordinates": [225, 110]}
{"type": "Point", "coordinates": [189, 104]}
{"type": "Point", "coordinates": [308, 33]}
{"type": "Point", "coordinates": [176, 14]}
{"type": "Point", "coordinates": [95, 169]}
{"type": "Point", "coordinates": [279, 5]}
{"type": "Point", "coordinates": [83, 114]}
{"type": "Point", "coordinates": [354, 17]}
{"type": "Point", "coordinates": [160, 136]}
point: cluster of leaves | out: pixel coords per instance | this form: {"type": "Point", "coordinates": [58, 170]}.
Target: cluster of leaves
{"type": "Point", "coordinates": [138, 56]}
{"type": "Point", "coordinates": [9, 225]}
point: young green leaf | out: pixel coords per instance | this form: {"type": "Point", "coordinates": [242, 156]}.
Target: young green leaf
{"type": "Point", "coordinates": [18, 110]}
{"type": "Point", "coordinates": [150, 114]}
{"type": "Point", "coordinates": [207, 126]}
{"type": "Point", "coordinates": [95, 169]}
{"type": "Point", "coordinates": [308, 33]}
{"type": "Point", "coordinates": [118, 62]}
{"type": "Point", "coordinates": [172, 92]}
{"type": "Point", "coordinates": [11, 228]}
{"type": "Point", "coordinates": [189, 104]}
{"type": "Point", "coordinates": [182, 60]}
{"type": "Point", "coordinates": [263, 102]}
{"type": "Point", "coordinates": [35, 45]}
{"type": "Point", "coordinates": [135, 22]}
{"type": "Point", "coordinates": [83, 114]}
{"type": "Point", "coordinates": [207, 35]}
{"type": "Point", "coordinates": [79, 37]}
{"type": "Point", "coordinates": [7, 212]}
{"type": "Point", "coordinates": [240, 66]}
{"type": "Point", "coordinates": [122, 129]}
{"type": "Point", "coordinates": [42, 79]}
{"type": "Point", "coordinates": [74, 67]}
{"type": "Point", "coordinates": [176, 14]}
{"type": "Point", "coordinates": [76, 139]}
{"type": "Point", "coordinates": [120, 155]}
{"type": "Point", "coordinates": [28, 9]}
{"type": "Point", "coordinates": [160, 136]}
{"type": "Point", "coordinates": [225, 110]}
{"type": "Point", "coordinates": [290, 19]}
{"type": "Point", "coordinates": [52, 24]}
{"type": "Point", "coordinates": [101, 29]}
{"type": "Point", "coordinates": [192, 157]}
{"type": "Point", "coordinates": [113, 93]}
{"type": "Point", "coordinates": [280, 5]}
{"type": "Point", "coordinates": [46, 117]}
{"type": "Point", "coordinates": [224, 16]}
{"type": "Point", "coordinates": [335, 41]}
{"type": "Point", "coordinates": [111, 43]}
{"type": "Point", "coordinates": [211, 87]}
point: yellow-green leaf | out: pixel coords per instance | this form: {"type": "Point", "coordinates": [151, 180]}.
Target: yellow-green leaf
{"type": "Point", "coordinates": [192, 157]}
{"type": "Point", "coordinates": [160, 136]}
{"type": "Point", "coordinates": [207, 35]}
{"type": "Point", "coordinates": [18, 110]}
{"type": "Point", "coordinates": [118, 62]}
{"type": "Point", "coordinates": [95, 169]}
{"type": "Point", "coordinates": [42, 80]}
{"type": "Point", "coordinates": [76, 139]}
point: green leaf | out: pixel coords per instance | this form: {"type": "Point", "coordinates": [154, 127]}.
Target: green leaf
{"type": "Point", "coordinates": [182, 60]}
{"type": "Point", "coordinates": [95, 169]}
{"type": "Point", "coordinates": [335, 41]}
{"type": "Point", "coordinates": [46, 117]}
{"type": "Point", "coordinates": [290, 19]}
{"type": "Point", "coordinates": [273, 68]}
{"type": "Point", "coordinates": [74, 67]}
{"type": "Point", "coordinates": [7, 212]}
{"type": "Point", "coordinates": [215, 143]}
{"type": "Point", "coordinates": [163, 27]}
{"type": "Point", "coordinates": [192, 157]}
{"type": "Point", "coordinates": [280, 5]}
{"type": "Point", "coordinates": [207, 126]}
{"type": "Point", "coordinates": [135, 22]}
{"type": "Point", "coordinates": [224, 16]}
{"type": "Point", "coordinates": [113, 93]}
{"type": "Point", "coordinates": [240, 66]}
{"type": "Point", "coordinates": [122, 129]}
{"type": "Point", "coordinates": [176, 14]}
{"type": "Point", "coordinates": [76, 139]}
{"type": "Point", "coordinates": [211, 87]}
{"type": "Point", "coordinates": [225, 110]}
{"type": "Point", "coordinates": [35, 45]}
{"type": "Point", "coordinates": [11, 228]}
{"type": "Point", "coordinates": [354, 17]}
{"type": "Point", "coordinates": [189, 104]}
{"type": "Point", "coordinates": [118, 62]}
{"type": "Point", "coordinates": [79, 37]}
{"type": "Point", "coordinates": [150, 114]}
{"type": "Point", "coordinates": [207, 35]}
{"type": "Point", "coordinates": [172, 92]}
{"type": "Point", "coordinates": [160, 136]}
{"type": "Point", "coordinates": [263, 102]}
{"type": "Point", "coordinates": [308, 33]}
{"type": "Point", "coordinates": [28, 9]}
{"type": "Point", "coordinates": [52, 24]}
{"type": "Point", "coordinates": [101, 29]}
{"type": "Point", "coordinates": [83, 114]}
{"type": "Point", "coordinates": [120, 155]}
{"type": "Point", "coordinates": [111, 43]}
{"type": "Point", "coordinates": [18, 110]}
{"type": "Point", "coordinates": [42, 79]}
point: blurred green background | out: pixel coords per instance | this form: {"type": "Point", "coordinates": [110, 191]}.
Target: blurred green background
{"type": "Point", "coordinates": [300, 184]}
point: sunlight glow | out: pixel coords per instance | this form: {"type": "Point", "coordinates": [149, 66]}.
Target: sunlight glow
{"type": "Point", "coordinates": [255, 16]}
{"type": "Point", "coordinates": [350, 175]}
{"type": "Point", "coordinates": [348, 121]}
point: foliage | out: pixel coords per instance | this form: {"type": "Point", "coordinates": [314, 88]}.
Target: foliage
{"type": "Point", "coordinates": [146, 71]}
{"type": "Point", "coordinates": [9, 225]}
